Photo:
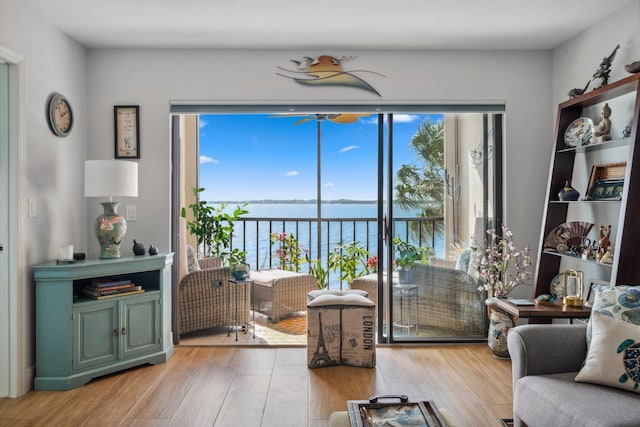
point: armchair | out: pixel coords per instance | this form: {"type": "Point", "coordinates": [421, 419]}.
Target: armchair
{"type": "Point", "coordinates": [202, 301]}
{"type": "Point", "coordinates": [279, 292]}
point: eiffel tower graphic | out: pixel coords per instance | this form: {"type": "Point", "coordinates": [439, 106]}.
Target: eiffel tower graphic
{"type": "Point", "coordinates": [321, 355]}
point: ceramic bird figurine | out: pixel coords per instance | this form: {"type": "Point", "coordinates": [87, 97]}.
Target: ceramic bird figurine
{"type": "Point", "coordinates": [577, 91]}
{"type": "Point", "coordinates": [138, 248]}
{"type": "Point", "coordinates": [604, 70]}
{"type": "Point", "coordinates": [153, 250]}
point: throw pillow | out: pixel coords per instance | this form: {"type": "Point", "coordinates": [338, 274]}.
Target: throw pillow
{"type": "Point", "coordinates": [619, 302]}
{"type": "Point", "coordinates": [192, 260]}
{"type": "Point", "coordinates": [614, 356]}
{"type": "Point", "coordinates": [462, 262]}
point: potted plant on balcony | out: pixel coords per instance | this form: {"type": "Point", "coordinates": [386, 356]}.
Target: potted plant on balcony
{"type": "Point", "coordinates": [408, 255]}
{"type": "Point", "coordinates": [214, 228]}
{"type": "Point", "coordinates": [349, 259]}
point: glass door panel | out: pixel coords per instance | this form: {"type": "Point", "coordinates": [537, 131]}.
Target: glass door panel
{"type": "Point", "coordinates": [443, 197]}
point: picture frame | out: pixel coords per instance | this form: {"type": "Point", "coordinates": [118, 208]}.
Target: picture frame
{"type": "Point", "coordinates": [591, 293]}
{"type": "Point", "coordinates": [126, 120]}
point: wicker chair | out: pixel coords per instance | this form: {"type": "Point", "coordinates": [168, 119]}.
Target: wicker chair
{"type": "Point", "coordinates": [278, 292]}
{"type": "Point", "coordinates": [203, 298]}
{"type": "Point", "coordinates": [447, 298]}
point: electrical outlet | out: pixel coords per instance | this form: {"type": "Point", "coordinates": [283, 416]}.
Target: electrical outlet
{"type": "Point", "coordinates": [131, 212]}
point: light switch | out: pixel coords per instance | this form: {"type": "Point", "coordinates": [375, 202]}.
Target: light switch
{"type": "Point", "coordinates": [32, 207]}
{"type": "Point", "coordinates": [131, 212]}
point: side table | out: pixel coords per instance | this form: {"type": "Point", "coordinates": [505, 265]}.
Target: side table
{"type": "Point", "coordinates": [410, 293]}
{"type": "Point", "coordinates": [244, 283]}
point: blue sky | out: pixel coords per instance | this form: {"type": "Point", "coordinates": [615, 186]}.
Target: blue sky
{"type": "Point", "coordinates": [255, 157]}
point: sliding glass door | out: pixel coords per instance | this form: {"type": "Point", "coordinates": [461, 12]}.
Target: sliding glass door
{"type": "Point", "coordinates": [387, 203]}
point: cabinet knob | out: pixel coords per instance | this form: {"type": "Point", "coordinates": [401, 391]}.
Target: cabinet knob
{"type": "Point", "coordinates": [124, 331]}
{"type": "Point", "coordinates": [115, 332]}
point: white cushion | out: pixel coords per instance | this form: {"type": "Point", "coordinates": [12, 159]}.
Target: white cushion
{"type": "Point", "coordinates": [267, 277]}
{"type": "Point", "coordinates": [192, 260]}
{"type": "Point", "coordinates": [613, 358]}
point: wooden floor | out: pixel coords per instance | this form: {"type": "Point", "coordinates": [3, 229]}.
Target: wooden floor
{"type": "Point", "coordinates": [250, 387]}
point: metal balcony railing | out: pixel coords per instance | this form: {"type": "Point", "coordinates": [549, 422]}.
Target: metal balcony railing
{"type": "Point", "coordinates": [253, 236]}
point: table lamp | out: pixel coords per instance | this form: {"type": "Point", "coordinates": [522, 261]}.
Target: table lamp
{"type": "Point", "coordinates": [573, 288]}
{"type": "Point", "coordinates": [108, 178]}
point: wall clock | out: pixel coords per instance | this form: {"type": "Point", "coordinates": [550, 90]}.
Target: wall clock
{"type": "Point", "coordinates": [60, 115]}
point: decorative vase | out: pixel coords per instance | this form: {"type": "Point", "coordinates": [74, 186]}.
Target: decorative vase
{"type": "Point", "coordinates": [240, 271]}
{"type": "Point", "coordinates": [110, 228]}
{"type": "Point", "coordinates": [499, 324]}
{"type": "Point", "coordinates": [568, 193]}
{"type": "Point", "coordinates": [138, 248]}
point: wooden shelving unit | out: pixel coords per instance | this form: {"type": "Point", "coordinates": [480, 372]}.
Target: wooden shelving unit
{"type": "Point", "coordinates": [626, 231]}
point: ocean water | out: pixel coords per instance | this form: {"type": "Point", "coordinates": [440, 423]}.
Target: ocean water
{"type": "Point", "coordinates": [341, 222]}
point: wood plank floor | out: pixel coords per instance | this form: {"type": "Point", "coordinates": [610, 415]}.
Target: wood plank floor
{"type": "Point", "coordinates": [272, 387]}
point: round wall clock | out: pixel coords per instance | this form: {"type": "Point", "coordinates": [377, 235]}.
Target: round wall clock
{"type": "Point", "coordinates": [60, 115]}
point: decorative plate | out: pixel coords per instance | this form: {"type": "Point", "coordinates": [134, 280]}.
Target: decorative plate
{"type": "Point", "coordinates": [557, 286]}
{"type": "Point", "coordinates": [579, 132]}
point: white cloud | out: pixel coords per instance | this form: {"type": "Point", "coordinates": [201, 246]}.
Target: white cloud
{"type": "Point", "coordinates": [202, 122]}
{"type": "Point", "coordinates": [207, 159]}
{"type": "Point", "coordinates": [291, 173]}
{"type": "Point", "coordinates": [405, 118]}
{"type": "Point", "coordinates": [349, 148]}
{"type": "Point", "coordinates": [328, 184]}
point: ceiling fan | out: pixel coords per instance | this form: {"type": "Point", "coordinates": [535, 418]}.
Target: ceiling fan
{"type": "Point", "coordinates": [332, 117]}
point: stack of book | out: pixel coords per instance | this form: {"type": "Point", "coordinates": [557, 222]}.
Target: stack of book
{"type": "Point", "coordinates": [108, 288]}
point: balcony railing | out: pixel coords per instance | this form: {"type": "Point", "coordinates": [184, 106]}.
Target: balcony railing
{"type": "Point", "coordinates": [252, 235]}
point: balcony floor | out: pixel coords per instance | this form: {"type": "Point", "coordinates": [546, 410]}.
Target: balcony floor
{"type": "Point", "coordinates": [290, 331]}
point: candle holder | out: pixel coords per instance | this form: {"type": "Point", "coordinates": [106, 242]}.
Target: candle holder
{"type": "Point", "coordinates": [572, 294]}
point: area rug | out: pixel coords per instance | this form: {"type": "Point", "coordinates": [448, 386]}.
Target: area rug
{"type": "Point", "coordinates": [295, 324]}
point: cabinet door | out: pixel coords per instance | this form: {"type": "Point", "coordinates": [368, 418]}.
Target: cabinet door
{"type": "Point", "coordinates": [140, 331]}
{"type": "Point", "coordinates": [95, 334]}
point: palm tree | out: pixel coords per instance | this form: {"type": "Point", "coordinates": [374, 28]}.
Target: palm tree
{"type": "Point", "coordinates": [420, 185]}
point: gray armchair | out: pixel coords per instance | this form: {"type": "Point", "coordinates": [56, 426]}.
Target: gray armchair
{"type": "Point", "coordinates": [545, 360]}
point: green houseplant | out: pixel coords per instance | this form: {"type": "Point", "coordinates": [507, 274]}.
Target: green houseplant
{"type": "Point", "coordinates": [214, 229]}
{"type": "Point", "coordinates": [408, 255]}
{"type": "Point", "coordinates": [349, 259]}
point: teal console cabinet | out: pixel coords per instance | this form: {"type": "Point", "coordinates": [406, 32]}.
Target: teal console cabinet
{"type": "Point", "coordinates": [79, 338]}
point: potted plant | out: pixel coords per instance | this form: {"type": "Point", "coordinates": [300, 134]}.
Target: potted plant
{"type": "Point", "coordinates": [213, 227]}
{"type": "Point", "coordinates": [350, 259]}
{"type": "Point", "coordinates": [408, 255]}
{"type": "Point", "coordinates": [239, 267]}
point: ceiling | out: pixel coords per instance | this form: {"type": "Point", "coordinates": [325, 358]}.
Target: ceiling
{"type": "Point", "coordinates": [343, 24]}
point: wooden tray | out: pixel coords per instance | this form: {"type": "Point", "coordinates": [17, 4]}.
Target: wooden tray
{"type": "Point", "coordinates": [372, 412]}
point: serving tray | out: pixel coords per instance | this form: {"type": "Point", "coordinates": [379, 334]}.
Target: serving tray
{"type": "Point", "coordinates": [373, 412]}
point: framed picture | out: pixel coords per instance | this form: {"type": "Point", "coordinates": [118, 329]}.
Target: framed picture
{"type": "Point", "coordinates": [591, 291]}
{"type": "Point", "coordinates": [127, 131]}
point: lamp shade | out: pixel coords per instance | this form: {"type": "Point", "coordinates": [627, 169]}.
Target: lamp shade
{"type": "Point", "coordinates": [110, 178]}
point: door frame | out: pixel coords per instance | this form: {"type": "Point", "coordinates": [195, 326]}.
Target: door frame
{"type": "Point", "coordinates": [15, 376]}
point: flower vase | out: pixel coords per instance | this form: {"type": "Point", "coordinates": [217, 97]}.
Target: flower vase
{"type": "Point", "coordinates": [499, 324]}
{"type": "Point", "coordinates": [405, 275]}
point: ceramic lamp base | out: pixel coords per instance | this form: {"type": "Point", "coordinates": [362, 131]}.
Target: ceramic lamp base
{"type": "Point", "coordinates": [110, 228]}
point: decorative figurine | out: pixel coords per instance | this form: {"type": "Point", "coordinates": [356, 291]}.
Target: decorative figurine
{"type": "Point", "coordinates": [626, 133]}
{"type": "Point", "coordinates": [607, 258]}
{"type": "Point", "coordinates": [604, 242]}
{"type": "Point", "coordinates": [633, 68]}
{"type": "Point", "coordinates": [138, 248]}
{"type": "Point", "coordinates": [577, 91]}
{"type": "Point", "coordinates": [602, 131]}
{"type": "Point", "coordinates": [153, 250]}
{"type": "Point", "coordinates": [604, 70]}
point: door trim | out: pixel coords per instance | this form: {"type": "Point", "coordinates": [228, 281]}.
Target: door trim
{"type": "Point", "coordinates": [20, 374]}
